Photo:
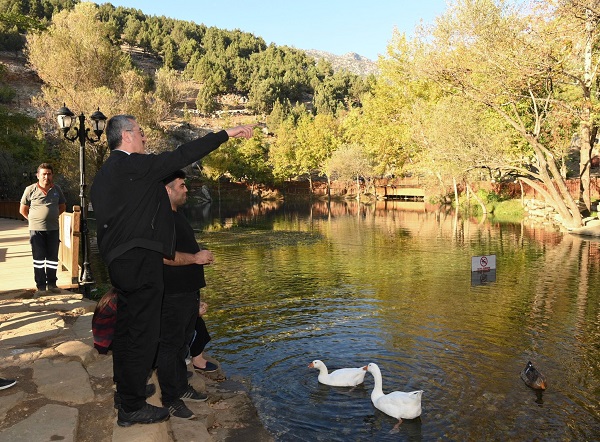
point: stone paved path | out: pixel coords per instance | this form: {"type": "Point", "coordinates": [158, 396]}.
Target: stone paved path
{"type": "Point", "coordinates": [65, 390]}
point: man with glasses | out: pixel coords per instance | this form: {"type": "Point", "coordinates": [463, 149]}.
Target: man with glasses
{"type": "Point", "coordinates": [135, 228]}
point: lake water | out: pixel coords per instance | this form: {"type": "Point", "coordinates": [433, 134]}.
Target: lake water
{"type": "Point", "coordinates": [391, 283]}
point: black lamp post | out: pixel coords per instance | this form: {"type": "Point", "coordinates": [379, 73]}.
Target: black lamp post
{"type": "Point", "coordinates": [66, 118]}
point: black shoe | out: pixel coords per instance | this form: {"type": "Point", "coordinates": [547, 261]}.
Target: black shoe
{"type": "Point", "coordinates": [54, 289]}
{"type": "Point", "coordinates": [148, 414]}
{"type": "Point", "coordinates": [210, 367]}
{"type": "Point", "coordinates": [6, 383]}
{"type": "Point", "coordinates": [178, 409]}
{"type": "Point", "coordinates": [150, 390]}
{"type": "Point", "coordinates": [192, 395]}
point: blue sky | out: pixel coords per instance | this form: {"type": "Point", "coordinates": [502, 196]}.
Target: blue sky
{"type": "Point", "coordinates": [336, 26]}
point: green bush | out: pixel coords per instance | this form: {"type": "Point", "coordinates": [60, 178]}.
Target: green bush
{"type": "Point", "coordinates": [490, 196]}
{"type": "Point", "coordinates": [7, 93]}
{"type": "Point", "coordinates": [509, 211]}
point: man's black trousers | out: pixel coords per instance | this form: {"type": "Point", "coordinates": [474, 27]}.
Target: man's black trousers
{"type": "Point", "coordinates": [138, 276]}
{"type": "Point", "coordinates": [44, 250]}
{"type": "Point", "coordinates": [179, 313]}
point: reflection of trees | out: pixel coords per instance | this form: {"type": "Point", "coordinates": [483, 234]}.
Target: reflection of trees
{"type": "Point", "coordinates": [564, 283]}
{"type": "Point", "coordinates": [221, 215]}
{"type": "Point", "coordinates": [397, 284]}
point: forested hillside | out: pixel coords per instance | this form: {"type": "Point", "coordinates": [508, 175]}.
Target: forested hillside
{"type": "Point", "coordinates": [497, 91]}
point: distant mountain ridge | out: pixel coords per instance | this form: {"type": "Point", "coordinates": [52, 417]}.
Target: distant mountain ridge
{"type": "Point", "coordinates": [351, 62]}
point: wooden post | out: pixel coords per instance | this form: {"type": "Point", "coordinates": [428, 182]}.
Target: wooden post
{"type": "Point", "coordinates": [75, 244]}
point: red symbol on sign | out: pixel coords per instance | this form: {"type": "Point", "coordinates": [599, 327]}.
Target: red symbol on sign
{"type": "Point", "coordinates": [483, 261]}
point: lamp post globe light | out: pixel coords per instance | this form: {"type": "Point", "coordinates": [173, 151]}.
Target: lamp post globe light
{"type": "Point", "coordinates": [66, 121]}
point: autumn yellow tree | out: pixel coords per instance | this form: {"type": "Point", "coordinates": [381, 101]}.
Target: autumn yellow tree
{"type": "Point", "coordinates": [574, 32]}
{"type": "Point", "coordinates": [498, 54]}
{"type": "Point", "coordinates": [382, 125]}
{"type": "Point", "coordinates": [81, 66]}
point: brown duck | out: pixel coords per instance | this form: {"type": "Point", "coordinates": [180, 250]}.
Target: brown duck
{"type": "Point", "coordinates": [533, 378]}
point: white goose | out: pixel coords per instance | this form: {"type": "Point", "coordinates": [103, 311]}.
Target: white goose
{"type": "Point", "coordinates": [397, 404]}
{"type": "Point", "coordinates": [344, 377]}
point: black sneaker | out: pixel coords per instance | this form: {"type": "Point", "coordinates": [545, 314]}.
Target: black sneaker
{"type": "Point", "coordinates": [54, 289]}
{"type": "Point", "coordinates": [192, 395]}
{"type": "Point", "coordinates": [148, 414]}
{"type": "Point", "coordinates": [150, 390]}
{"type": "Point", "coordinates": [178, 409]}
{"type": "Point", "coordinates": [6, 383]}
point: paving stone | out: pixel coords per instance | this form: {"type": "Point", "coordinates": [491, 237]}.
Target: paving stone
{"type": "Point", "coordinates": [190, 430]}
{"type": "Point", "coordinates": [30, 327]}
{"type": "Point", "coordinates": [19, 356]}
{"type": "Point", "coordinates": [142, 433]}
{"type": "Point", "coordinates": [52, 422]}
{"type": "Point", "coordinates": [101, 367]}
{"type": "Point", "coordinates": [83, 326]}
{"type": "Point", "coordinates": [84, 352]}
{"type": "Point", "coordinates": [54, 383]}
{"type": "Point", "coordinates": [9, 401]}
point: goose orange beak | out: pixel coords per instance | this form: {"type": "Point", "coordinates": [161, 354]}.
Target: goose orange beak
{"type": "Point", "coordinates": [310, 365]}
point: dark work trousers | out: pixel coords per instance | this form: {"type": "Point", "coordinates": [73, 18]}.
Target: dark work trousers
{"type": "Point", "coordinates": [179, 312]}
{"type": "Point", "coordinates": [201, 337]}
{"type": "Point", "coordinates": [138, 276]}
{"type": "Point", "coordinates": [44, 248]}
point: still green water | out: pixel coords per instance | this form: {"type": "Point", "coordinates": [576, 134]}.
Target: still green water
{"type": "Point", "coordinates": [392, 284]}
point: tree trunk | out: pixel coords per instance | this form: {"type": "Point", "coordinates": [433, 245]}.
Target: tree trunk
{"type": "Point", "coordinates": [455, 192]}
{"type": "Point", "coordinates": [585, 140]}
{"type": "Point", "coordinates": [522, 193]}
{"type": "Point", "coordinates": [560, 197]}
{"type": "Point", "coordinates": [483, 208]}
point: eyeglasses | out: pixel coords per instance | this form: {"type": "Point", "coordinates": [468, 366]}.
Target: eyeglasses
{"type": "Point", "coordinates": [133, 130]}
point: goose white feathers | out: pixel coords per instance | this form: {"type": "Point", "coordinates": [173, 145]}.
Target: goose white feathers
{"type": "Point", "coordinates": [344, 377]}
{"type": "Point", "coordinates": [397, 404]}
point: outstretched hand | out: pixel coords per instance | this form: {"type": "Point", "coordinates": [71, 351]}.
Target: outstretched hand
{"type": "Point", "coordinates": [241, 131]}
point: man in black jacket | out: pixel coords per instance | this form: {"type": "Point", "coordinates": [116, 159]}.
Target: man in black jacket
{"type": "Point", "coordinates": [135, 228]}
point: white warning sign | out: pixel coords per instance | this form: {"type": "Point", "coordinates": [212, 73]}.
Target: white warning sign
{"type": "Point", "coordinates": [483, 263]}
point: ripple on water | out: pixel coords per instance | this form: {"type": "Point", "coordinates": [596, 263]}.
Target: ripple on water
{"type": "Point", "coordinates": [409, 306]}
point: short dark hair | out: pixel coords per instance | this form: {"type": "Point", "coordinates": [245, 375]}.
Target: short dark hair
{"type": "Point", "coordinates": [115, 127]}
{"type": "Point", "coordinates": [45, 166]}
{"type": "Point", "coordinates": [174, 176]}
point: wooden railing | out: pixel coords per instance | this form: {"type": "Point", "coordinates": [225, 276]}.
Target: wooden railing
{"type": "Point", "coordinates": [70, 237]}
{"type": "Point", "coordinates": [10, 209]}
{"type": "Point", "coordinates": [69, 231]}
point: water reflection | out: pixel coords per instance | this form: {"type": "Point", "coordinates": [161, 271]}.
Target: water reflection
{"type": "Point", "coordinates": [391, 283]}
